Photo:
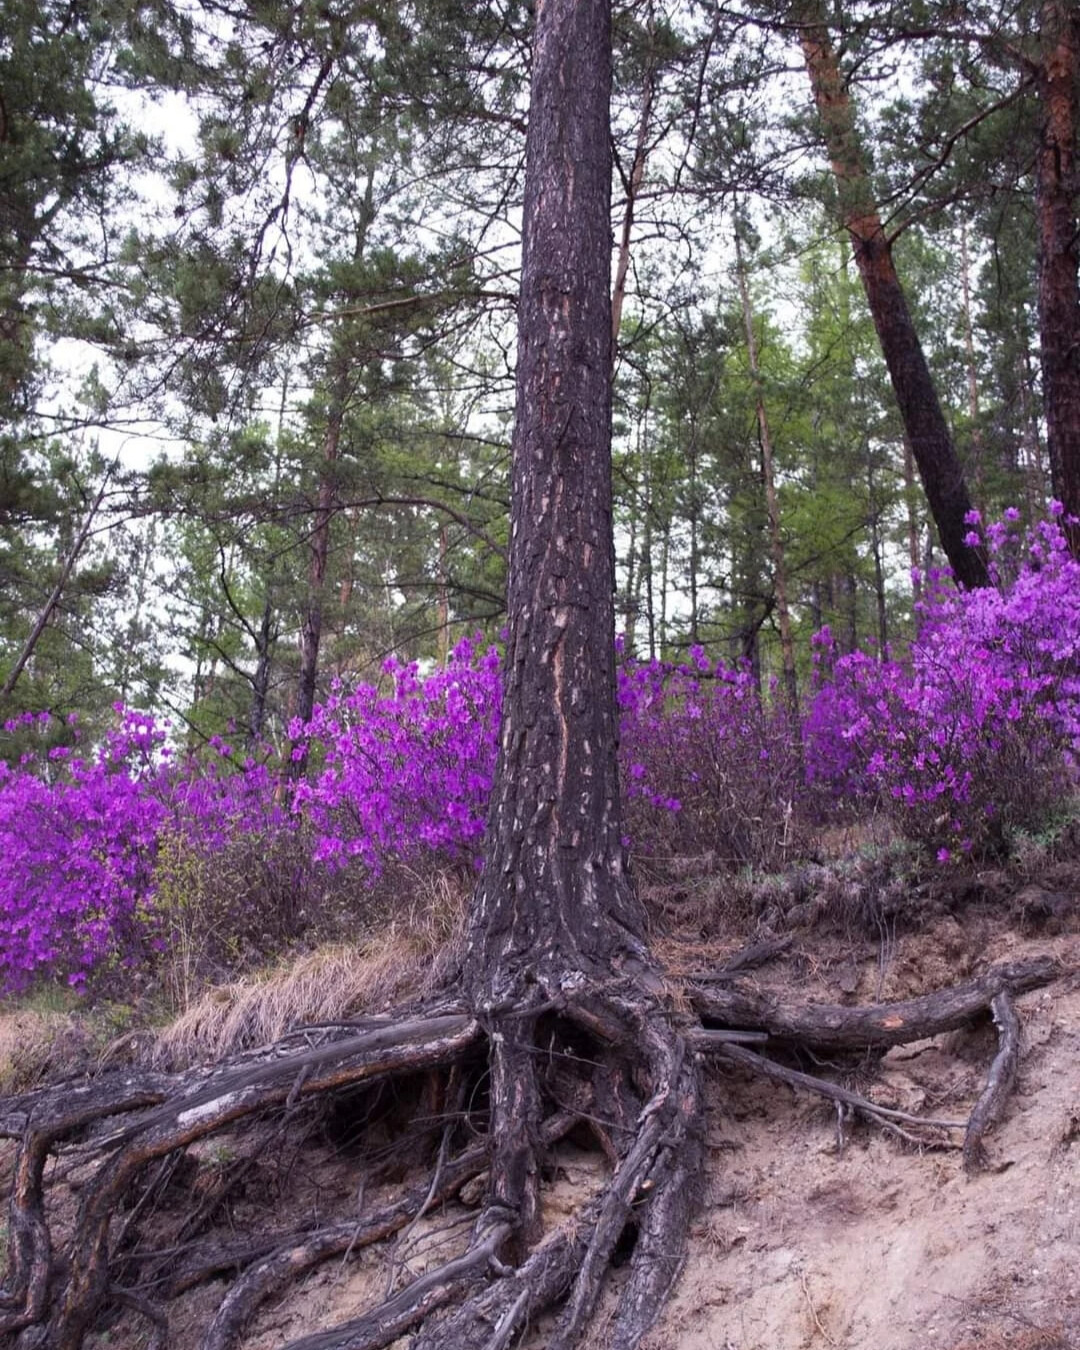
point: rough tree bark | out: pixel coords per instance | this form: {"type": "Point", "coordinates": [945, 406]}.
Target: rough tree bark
{"type": "Point", "coordinates": [1057, 76]}
{"type": "Point", "coordinates": [555, 917]}
{"type": "Point", "coordinates": [555, 898]}
{"type": "Point", "coordinates": [924, 422]}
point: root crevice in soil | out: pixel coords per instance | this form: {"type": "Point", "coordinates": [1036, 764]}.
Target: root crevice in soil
{"type": "Point", "coordinates": [103, 1167]}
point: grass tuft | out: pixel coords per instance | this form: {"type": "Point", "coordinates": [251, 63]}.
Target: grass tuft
{"type": "Point", "coordinates": [405, 956]}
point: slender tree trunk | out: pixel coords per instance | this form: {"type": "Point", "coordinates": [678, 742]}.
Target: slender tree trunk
{"type": "Point", "coordinates": [1034, 477]}
{"type": "Point", "coordinates": [978, 449]}
{"type": "Point", "coordinates": [695, 525]}
{"type": "Point", "coordinates": [633, 188]}
{"type": "Point", "coordinates": [1059, 251]}
{"type": "Point", "coordinates": [817, 606]}
{"type": "Point", "coordinates": [648, 581]}
{"type": "Point", "coordinates": [912, 514]}
{"type": "Point", "coordinates": [348, 578]}
{"type": "Point", "coordinates": [772, 505]}
{"type": "Point", "coordinates": [639, 582]}
{"type": "Point", "coordinates": [876, 553]}
{"type": "Point", "coordinates": [633, 585]}
{"type": "Point", "coordinates": [260, 684]}
{"type": "Point", "coordinates": [311, 623]}
{"type": "Point", "coordinates": [269, 631]}
{"type": "Point", "coordinates": [939, 468]}
{"type": "Point", "coordinates": [444, 596]}
{"type": "Point", "coordinates": [42, 621]}
{"type": "Point", "coordinates": [849, 594]}
{"type": "Point", "coordinates": [665, 559]}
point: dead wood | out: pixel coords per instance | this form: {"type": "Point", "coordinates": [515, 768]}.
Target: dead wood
{"type": "Point", "coordinates": [172, 1271]}
{"type": "Point", "coordinates": [492, 1316]}
{"type": "Point", "coordinates": [159, 1337]}
{"type": "Point", "coordinates": [228, 1096]}
{"type": "Point", "coordinates": [988, 1109]}
{"type": "Point", "coordinates": [750, 958]}
{"type": "Point", "coordinates": [64, 1111]}
{"type": "Point", "coordinates": [417, 1300]}
{"type": "Point", "coordinates": [274, 1270]}
{"type": "Point", "coordinates": [886, 1116]}
{"type": "Point", "coordinates": [827, 1026]}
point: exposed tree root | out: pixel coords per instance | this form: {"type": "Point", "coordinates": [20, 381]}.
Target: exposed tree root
{"type": "Point", "coordinates": [837, 1027]}
{"type": "Point", "coordinates": [933, 1133]}
{"type": "Point", "coordinates": [613, 1062]}
{"type": "Point", "coordinates": [290, 1259]}
{"type": "Point", "coordinates": [991, 1104]}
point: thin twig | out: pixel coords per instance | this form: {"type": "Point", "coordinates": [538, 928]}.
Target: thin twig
{"type": "Point", "coordinates": [813, 1310]}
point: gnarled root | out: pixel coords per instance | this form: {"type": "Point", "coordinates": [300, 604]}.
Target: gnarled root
{"type": "Point", "coordinates": [611, 1061]}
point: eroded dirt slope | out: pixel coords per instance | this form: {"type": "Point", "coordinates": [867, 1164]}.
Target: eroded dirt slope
{"type": "Point", "coordinates": [812, 1231]}
{"type": "Point", "coordinates": [803, 1242]}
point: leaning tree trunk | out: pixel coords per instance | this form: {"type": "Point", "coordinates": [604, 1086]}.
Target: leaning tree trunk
{"type": "Point", "coordinates": [924, 422]}
{"type": "Point", "coordinates": [1059, 251]}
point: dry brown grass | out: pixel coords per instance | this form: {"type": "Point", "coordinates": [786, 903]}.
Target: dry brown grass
{"type": "Point", "coordinates": [405, 956]}
{"type": "Point", "coordinates": [29, 1041]}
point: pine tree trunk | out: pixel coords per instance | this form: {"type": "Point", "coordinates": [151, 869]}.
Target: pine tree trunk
{"type": "Point", "coordinates": [978, 448]}
{"type": "Point", "coordinates": [1059, 250]}
{"type": "Point", "coordinates": [772, 503]}
{"type": "Point", "coordinates": [931, 444]}
{"type": "Point", "coordinates": [554, 903]}
{"type": "Point", "coordinates": [554, 914]}
{"type": "Point", "coordinates": [260, 684]}
{"type": "Point", "coordinates": [311, 622]}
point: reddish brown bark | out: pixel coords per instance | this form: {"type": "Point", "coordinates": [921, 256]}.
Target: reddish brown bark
{"type": "Point", "coordinates": [924, 422]}
{"type": "Point", "coordinates": [1059, 250]}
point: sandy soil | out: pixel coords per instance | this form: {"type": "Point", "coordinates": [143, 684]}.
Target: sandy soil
{"type": "Point", "coordinates": [806, 1236]}
{"type": "Point", "coordinates": [803, 1243]}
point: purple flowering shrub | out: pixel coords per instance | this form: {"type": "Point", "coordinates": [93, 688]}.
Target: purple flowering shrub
{"type": "Point", "coordinates": [406, 772]}
{"type": "Point", "coordinates": [977, 731]}
{"type": "Point", "coordinates": [77, 840]}
{"type": "Point", "coordinates": [708, 767]}
{"type": "Point", "coordinates": [128, 854]}
{"type": "Point", "coordinates": [80, 839]}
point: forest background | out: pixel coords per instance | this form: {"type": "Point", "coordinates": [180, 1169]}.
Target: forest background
{"type": "Point", "coordinates": [322, 895]}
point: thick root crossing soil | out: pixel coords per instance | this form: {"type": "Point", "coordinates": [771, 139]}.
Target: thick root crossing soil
{"type": "Point", "coordinates": [846, 1199]}
{"type": "Point", "coordinates": [813, 1237]}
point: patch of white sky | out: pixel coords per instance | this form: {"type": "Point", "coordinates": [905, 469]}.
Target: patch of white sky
{"type": "Point", "coordinates": [431, 212]}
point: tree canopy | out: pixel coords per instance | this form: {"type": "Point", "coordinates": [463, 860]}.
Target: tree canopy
{"type": "Point", "coordinates": [259, 282]}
